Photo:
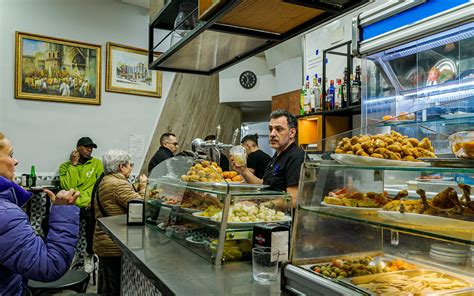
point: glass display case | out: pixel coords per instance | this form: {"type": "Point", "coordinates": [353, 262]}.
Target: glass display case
{"type": "Point", "coordinates": [209, 211]}
{"type": "Point", "coordinates": [388, 208]}
{"type": "Point", "coordinates": [344, 244]}
{"type": "Point", "coordinates": [435, 71]}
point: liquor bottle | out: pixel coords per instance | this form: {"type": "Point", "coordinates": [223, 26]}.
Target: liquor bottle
{"type": "Point", "coordinates": [356, 88]}
{"type": "Point", "coordinates": [331, 95]}
{"type": "Point", "coordinates": [338, 94]}
{"type": "Point", "coordinates": [33, 177]}
{"type": "Point", "coordinates": [321, 97]}
{"type": "Point", "coordinates": [307, 97]}
{"type": "Point", "coordinates": [315, 95]}
{"type": "Point", "coordinates": [359, 83]}
{"type": "Point", "coordinates": [302, 96]}
{"type": "Point", "coordinates": [345, 102]}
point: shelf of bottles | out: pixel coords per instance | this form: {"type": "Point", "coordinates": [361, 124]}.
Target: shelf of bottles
{"type": "Point", "coordinates": [341, 95]}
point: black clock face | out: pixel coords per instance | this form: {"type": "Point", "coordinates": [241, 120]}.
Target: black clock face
{"type": "Point", "coordinates": [248, 79]}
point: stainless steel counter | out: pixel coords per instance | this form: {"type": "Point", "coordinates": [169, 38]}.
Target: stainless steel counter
{"type": "Point", "coordinates": [173, 269]}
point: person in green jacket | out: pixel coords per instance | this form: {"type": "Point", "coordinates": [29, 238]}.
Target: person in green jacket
{"type": "Point", "coordinates": [80, 173]}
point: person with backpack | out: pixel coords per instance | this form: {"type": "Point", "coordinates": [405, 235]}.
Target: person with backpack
{"type": "Point", "coordinates": [110, 199]}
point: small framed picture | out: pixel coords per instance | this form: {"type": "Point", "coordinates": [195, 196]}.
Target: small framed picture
{"type": "Point", "coordinates": [127, 72]}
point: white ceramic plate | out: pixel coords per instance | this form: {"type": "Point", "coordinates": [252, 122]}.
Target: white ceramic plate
{"type": "Point", "coordinates": [448, 259]}
{"type": "Point", "coordinates": [189, 210]}
{"type": "Point", "coordinates": [372, 161]}
{"type": "Point", "coordinates": [450, 248]}
{"type": "Point", "coordinates": [419, 179]}
{"type": "Point", "coordinates": [199, 215]}
{"type": "Point", "coordinates": [191, 240]}
{"type": "Point", "coordinates": [359, 210]}
{"type": "Point", "coordinates": [457, 115]}
{"type": "Point", "coordinates": [449, 255]}
{"type": "Point", "coordinates": [236, 224]}
{"type": "Point", "coordinates": [396, 122]}
{"type": "Point", "coordinates": [427, 221]}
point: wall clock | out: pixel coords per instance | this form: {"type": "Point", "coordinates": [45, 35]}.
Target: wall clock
{"type": "Point", "coordinates": [248, 79]}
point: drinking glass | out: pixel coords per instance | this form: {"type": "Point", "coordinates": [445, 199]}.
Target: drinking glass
{"type": "Point", "coordinates": [239, 155]}
{"type": "Point", "coordinates": [265, 264]}
{"type": "Point", "coordinates": [188, 15]}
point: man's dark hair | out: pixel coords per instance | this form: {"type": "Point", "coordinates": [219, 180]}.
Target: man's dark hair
{"type": "Point", "coordinates": [253, 138]}
{"type": "Point", "coordinates": [210, 138]}
{"type": "Point", "coordinates": [290, 118]}
{"type": "Point", "coordinates": [165, 137]}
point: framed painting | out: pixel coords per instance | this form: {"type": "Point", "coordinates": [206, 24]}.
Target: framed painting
{"type": "Point", "coordinates": [59, 70]}
{"type": "Point", "coordinates": [127, 71]}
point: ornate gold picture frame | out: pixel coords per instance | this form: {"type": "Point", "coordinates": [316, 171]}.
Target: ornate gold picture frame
{"type": "Point", "coordinates": [59, 70]}
{"type": "Point", "coordinates": [127, 71]}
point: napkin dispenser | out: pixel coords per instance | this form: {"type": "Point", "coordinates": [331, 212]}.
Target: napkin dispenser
{"type": "Point", "coordinates": [136, 212]}
{"type": "Point", "coordinates": [273, 235]}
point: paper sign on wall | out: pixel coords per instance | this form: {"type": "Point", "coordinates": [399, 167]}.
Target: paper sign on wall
{"type": "Point", "coordinates": [136, 145]}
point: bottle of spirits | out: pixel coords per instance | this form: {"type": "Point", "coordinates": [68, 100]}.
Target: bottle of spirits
{"type": "Point", "coordinates": [307, 97]}
{"type": "Point", "coordinates": [344, 90]}
{"type": "Point", "coordinates": [338, 93]}
{"type": "Point", "coordinates": [33, 177]}
{"type": "Point", "coordinates": [331, 95]}
{"type": "Point", "coordinates": [302, 96]}
{"type": "Point", "coordinates": [356, 88]}
{"type": "Point", "coordinates": [315, 95]}
{"type": "Point", "coordinates": [321, 97]}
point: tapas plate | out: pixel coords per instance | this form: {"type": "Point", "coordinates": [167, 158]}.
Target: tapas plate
{"type": "Point", "coordinates": [449, 162]}
{"type": "Point", "coordinates": [189, 210]}
{"type": "Point", "coordinates": [241, 224]}
{"type": "Point", "coordinates": [193, 240]}
{"type": "Point", "coordinates": [457, 115]}
{"type": "Point", "coordinates": [233, 186]}
{"type": "Point", "coordinates": [440, 179]}
{"type": "Point", "coordinates": [398, 122]}
{"type": "Point", "coordinates": [426, 221]}
{"type": "Point", "coordinates": [199, 215]}
{"type": "Point", "coordinates": [358, 210]}
{"type": "Point", "coordinates": [350, 159]}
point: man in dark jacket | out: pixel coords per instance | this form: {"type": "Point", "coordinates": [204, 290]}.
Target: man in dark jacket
{"type": "Point", "coordinates": [168, 147]}
{"type": "Point", "coordinates": [23, 254]}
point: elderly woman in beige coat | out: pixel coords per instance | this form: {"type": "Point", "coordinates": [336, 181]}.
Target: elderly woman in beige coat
{"type": "Point", "coordinates": [114, 192]}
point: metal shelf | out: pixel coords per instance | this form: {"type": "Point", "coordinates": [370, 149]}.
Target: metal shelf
{"type": "Point", "coordinates": [236, 31]}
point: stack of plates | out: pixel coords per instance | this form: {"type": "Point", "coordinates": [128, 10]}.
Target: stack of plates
{"type": "Point", "coordinates": [449, 253]}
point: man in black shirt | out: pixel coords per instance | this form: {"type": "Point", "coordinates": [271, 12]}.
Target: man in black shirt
{"type": "Point", "coordinates": [169, 146]}
{"type": "Point", "coordinates": [257, 160]}
{"type": "Point", "coordinates": [283, 171]}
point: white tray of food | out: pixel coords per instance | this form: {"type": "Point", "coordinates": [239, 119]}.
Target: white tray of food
{"type": "Point", "coordinates": [351, 159]}
{"type": "Point", "coordinates": [426, 221]}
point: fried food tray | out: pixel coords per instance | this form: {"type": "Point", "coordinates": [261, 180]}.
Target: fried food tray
{"type": "Point", "coordinates": [425, 282]}
{"type": "Point", "coordinates": [420, 271]}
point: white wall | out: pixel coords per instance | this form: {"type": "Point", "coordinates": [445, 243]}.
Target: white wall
{"type": "Point", "coordinates": [289, 75]}
{"type": "Point", "coordinates": [230, 90]}
{"type": "Point", "coordinates": [44, 133]}
{"type": "Point", "coordinates": [331, 34]}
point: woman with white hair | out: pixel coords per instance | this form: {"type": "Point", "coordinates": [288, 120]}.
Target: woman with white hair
{"type": "Point", "coordinates": [114, 192]}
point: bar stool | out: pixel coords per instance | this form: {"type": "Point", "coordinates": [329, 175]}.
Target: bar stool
{"type": "Point", "coordinates": [75, 280]}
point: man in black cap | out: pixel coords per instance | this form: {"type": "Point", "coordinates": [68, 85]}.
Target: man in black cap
{"type": "Point", "coordinates": [80, 173]}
